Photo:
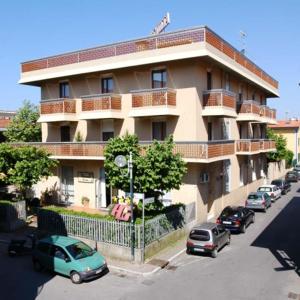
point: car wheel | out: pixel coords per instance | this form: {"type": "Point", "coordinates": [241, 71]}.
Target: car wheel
{"type": "Point", "coordinates": [253, 219]}
{"type": "Point", "coordinates": [214, 253]}
{"type": "Point", "coordinates": [75, 277]}
{"type": "Point", "coordinates": [243, 228]}
{"type": "Point", "coordinates": [37, 266]}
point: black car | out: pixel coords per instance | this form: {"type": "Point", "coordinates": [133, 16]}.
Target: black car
{"type": "Point", "coordinates": [291, 176]}
{"type": "Point", "coordinates": [283, 185]}
{"type": "Point", "coordinates": [236, 218]}
{"type": "Point", "coordinates": [297, 171]}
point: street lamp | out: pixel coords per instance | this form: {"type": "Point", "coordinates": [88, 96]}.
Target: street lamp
{"type": "Point", "coordinates": [121, 161]}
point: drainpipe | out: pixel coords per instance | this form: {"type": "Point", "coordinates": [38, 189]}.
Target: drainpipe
{"type": "Point", "coordinates": [296, 142]}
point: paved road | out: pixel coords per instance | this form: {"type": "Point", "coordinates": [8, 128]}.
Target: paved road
{"type": "Point", "coordinates": [263, 264]}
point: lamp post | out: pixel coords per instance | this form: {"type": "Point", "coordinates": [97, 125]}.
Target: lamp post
{"type": "Point", "coordinates": [121, 161]}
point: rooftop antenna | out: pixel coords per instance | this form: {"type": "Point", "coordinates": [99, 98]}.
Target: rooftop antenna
{"type": "Point", "coordinates": [243, 35]}
{"type": "Point", "coordinates": [161, 26]}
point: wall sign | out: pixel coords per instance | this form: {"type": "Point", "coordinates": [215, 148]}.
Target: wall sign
{"type": "Point", "coordinates": [87, 177]}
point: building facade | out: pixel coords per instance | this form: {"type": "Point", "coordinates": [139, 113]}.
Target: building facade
{"type": "Point", "coordinates": [189, 83]}
{"type": "Point", "coordinates": [289, 129]}
{"type": "Point", "coordinates": [5, 119]}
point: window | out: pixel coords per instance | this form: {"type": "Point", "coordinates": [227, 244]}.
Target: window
{"type": "Point", "coordinates": [64, 90]}
{"type": "Point", "coordinates": [221, 229]}
{"type": "Point", "coordinates": [159, 131]}
{"type": "Point", "coordinates": [209, 131]}
{"type": "Point", "coordinates": [209, 80]}
{"type": "Point", "coordinates": [65, 134]}
{"type": "Point", "coordinates": [107, 135]}
{"type": "Point", "coordinates": [215, 232]}
{"type": "Point", "coordinates": [200, 235]}
{"type": "Point", "coordinates": [227, 82]}
{"type": "Point", "coordinates": [159, 79]}
{"type": "Point", "coordinates": [58, 252]}
{"type": "Point", "coordinates": [107, 85]}
{"type": "Point", "coordinates": [80, 250]}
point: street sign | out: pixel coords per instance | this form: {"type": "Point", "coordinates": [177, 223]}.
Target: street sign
{"type": "Point", "coordinates": [162, 24]}
{"type": "Point", "coordinates": [148, 200]}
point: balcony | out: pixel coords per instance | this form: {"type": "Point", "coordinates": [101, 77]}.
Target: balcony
{"type": "Point", "coordinates": [248, 110]}
{"type": "Point", "coordinates": [219, 103]}
{"type": "Point", "coordinates": [54, 110]}
{"type": "Point", "coordinates": [254, 146]}
{"type": "Point", "coordinates": [71, 150]}
{"type": "Point", "coordinates": [102, 106]}
{"type": "Point", "coordinates": [153, 102]}
{"type": "Point", "coordinates": [198, 152]}
{"type": "Point", "coordinates": [268, 115]}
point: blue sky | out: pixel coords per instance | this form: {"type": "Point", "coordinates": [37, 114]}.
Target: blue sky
{"type": "Point", "coordinates": [33, 28]}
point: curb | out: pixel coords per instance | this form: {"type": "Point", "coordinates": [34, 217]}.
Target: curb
{"type": "Point", "coordinates": [145, 274]}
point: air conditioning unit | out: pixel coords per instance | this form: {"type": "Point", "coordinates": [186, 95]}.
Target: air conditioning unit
{"type": "Point", "coordinates": [204, 177]}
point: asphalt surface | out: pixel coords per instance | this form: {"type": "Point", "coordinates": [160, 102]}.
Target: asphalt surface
{"type": "Point", "coordinates": [263, 263]}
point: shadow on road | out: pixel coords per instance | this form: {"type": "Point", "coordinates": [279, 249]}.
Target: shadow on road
{"type": "Point", "coordinates": [281, 237]}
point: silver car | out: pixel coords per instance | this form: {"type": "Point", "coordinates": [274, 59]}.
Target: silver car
{"type": "Point", "coordinates": [207, 238]}
{"type": "Point", "coordinates": [258, 200]}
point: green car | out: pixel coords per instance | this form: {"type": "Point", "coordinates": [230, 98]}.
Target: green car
{"type": "Point", "coordinates": [68, 256]}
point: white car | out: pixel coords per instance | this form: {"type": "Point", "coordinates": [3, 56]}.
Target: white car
{"type": "Point", "coordinates": [272, 190]}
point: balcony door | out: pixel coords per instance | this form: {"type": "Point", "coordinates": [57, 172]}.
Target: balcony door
{"type": "Point", "coordinates": [65, 135]}
{"type": "Point", "coordinates": [159, 79]}
{"type": "Point", "coordinates": [159, 131]}
{"type": "Point", "coordinates": [67, 184]}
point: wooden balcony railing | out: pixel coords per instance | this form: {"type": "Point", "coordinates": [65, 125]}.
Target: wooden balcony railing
{"type": "Point", "coordinates": [219, 97]}
{"type": "Point", "coordinates": [267, 145]}
{"type": "Point", "coordinates": [153, 97]}
{"type": "Point", "coordinates": [58, 106]}
{"type": "Point", "coordinates": [267, 112]}
{"type": "Point", "coordinates": [101, 102]}
{"type": "Point", "coordinates": [189, 150]}
{"type": "Point", "coordinates": [249, 145]}
{"type": "Point", "coordinates": [248, 107]}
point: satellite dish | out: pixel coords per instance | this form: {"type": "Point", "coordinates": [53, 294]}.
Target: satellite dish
{"type": "Point", "coordinates": [120, 161]}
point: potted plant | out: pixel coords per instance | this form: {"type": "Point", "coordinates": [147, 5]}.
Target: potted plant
{"type": "Point", "coordinates": [85, 201]}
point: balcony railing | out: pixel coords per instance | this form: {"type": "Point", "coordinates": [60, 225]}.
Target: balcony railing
{"type": "Point", "coordinates": [254, 145]}
{"type": "Point", "coordinates": [153, 98]}
{"type": "Point", "coordinates": [189, 150]}
{"type": "Point", "coordinates": [220, 98]}
{"type": "Point", "coordinates": [101, 102]}
{"type": "Point", "coordinates": [267, 112]}
{"type": "Point", "coordinates": [266, 145]}
{"type": "Point", "coordinates": [70, 148]}
{"type": "Point", "coordinates": [58, 106]}
{"type": "Point", "coordinates": [248, 107]}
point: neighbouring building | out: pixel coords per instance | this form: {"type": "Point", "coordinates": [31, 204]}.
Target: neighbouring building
{"type": "Point", "coordinates": [189, 83]}
{"type": "Point", "coordinates": [5, 119]}
{"type": "Point", "coordinates": [289, 129]}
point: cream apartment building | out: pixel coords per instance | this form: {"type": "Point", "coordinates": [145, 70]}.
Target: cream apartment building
{"type": "Point", "coordinates": [189, 83]}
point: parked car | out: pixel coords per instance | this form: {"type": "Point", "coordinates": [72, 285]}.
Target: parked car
{"type": "Point", "coordinates": [297, 171]}
{"type": "Point", "coordinates": [208, 238]}
{"type": "Point", "coordinates": [283, 185]}
{"type": "Point", "coordinates": [258, 200]}
{"type": "Point", "coordinates": [297, 167]}
{"type": "Point", "coordinates": [272, 190]}
{"type": "Point", "coordinates": [68, 256]}
{"type": "Point", "coordinates": [291, 176]}
{"type": "Point", "coordinates": [236, 218]}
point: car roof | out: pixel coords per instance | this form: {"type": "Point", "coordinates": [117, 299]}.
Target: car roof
{"type": "Point", "coordinates": [59, 240]}
{"type": "Point", "coordinates": [206, 225]}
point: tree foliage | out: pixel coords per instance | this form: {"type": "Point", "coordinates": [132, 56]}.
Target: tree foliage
{"type": "Point", "coordinates": [24, 166]}
{"type": "Point", "coordinates": [155, 167]}
{"type": "Point", "coordinates": [281, 148]}
{"type": "Point", "coordinates": [24, 126]}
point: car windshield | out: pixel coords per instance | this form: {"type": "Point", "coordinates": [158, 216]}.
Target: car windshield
{"type": "Point", "coordinates": [229, 212]}
{"type": "Point", "coordinates": [276, 182]}
{"type": "Point", "coordinates": [254, 197]}
{"type": "Point", "coordinates": [199, 235]}
{"type": "Point", "coordinates": [265, 189]}
{"type": "Point", "coordinates": [80, 250]}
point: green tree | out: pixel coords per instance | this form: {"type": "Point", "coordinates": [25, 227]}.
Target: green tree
{"type": "Point", "coordinates": [155, 167]}
{"type": "Point", "coordinates": [280, 144]}
{"type": "Point", "coordinates": [24, 166]}
{"type": "Point", "coordinates": [24, 126]}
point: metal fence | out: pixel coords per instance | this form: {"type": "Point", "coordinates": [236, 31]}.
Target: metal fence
{"type": "Point", "coordinates": [114, 232]}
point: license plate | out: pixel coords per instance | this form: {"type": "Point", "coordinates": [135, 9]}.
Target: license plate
{"type": "Point", "coordinates": [198, 250]}
{"type": "Point", "coordinates": [226, 222]}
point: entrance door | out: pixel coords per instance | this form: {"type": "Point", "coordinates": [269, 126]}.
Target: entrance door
{"type": "Point", "coordinates": [102, 197]}
{"type": "Point", "coordinates": [67, 184]}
